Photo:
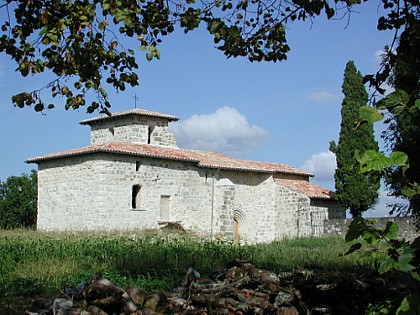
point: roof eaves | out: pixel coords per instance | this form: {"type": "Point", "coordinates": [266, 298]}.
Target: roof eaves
{"type": "Point", "coordinates": [89, 121]}
{"type": "Point", "coordinates": [331, 195]}
{"type": "Point", "coordinates": [59, 156]}
{"type": "Point", "coordinates": [232, 168]}
{"type": "Point", "coordinates": [301, 173]}
{"type": "Point", "coordinates": [320, 197]}
{"type": "Point", "coordinates": [105, 150]}
{"type": "Point", "coordinates": [250, 169]}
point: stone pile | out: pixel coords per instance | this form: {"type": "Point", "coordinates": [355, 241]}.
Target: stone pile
{"type": "Point", "coordinates": [239, 289]}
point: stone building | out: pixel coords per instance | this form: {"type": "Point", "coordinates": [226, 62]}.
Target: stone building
{"type": "Point", "coordinates": [133, 176]}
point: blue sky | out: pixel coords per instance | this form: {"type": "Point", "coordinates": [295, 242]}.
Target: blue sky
{"type": "Point", "coordinates": [285, 112]}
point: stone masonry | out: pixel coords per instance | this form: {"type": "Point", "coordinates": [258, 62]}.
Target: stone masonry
{"type": "Point", "coordinates": [133, 177]}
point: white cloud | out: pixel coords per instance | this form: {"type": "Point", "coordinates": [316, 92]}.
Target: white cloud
{"type": "Point", "coordinates": [322, 97]}
{"type": "Point", "coordinates": [226, 131]}
{"type": "Point", "coordinates": [322, 165]}
{"type": "Point", "coordinates": [377, 58]}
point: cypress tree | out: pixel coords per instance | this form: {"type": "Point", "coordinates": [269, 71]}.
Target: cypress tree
{"type": "Point", "coordinates": [355, 191]}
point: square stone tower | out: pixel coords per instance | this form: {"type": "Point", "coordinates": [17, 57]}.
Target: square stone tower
{"type": "Point", "coordinates": [137, 126]}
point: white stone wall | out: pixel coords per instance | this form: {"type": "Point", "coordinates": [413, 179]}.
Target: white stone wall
{"type": "Point", "coordinates": [133, 129]}
{"type": "Point", "coordinates": [321, 210]}
{"type": "Point", "coordinates": [253, 195]}
{"type": "Point", "coordinates": [291, 208]}
{"type": "Point", "coordinates": [162, 136]}
{"type": "Point", "coordinates": [335, 211]}
{"type": "Point", "coordinates": [94, 192]}
{"type": "Point", "coordinates": [87, 194]}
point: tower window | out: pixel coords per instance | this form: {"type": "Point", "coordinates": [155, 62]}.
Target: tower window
{"type": "Point", "coordinates": [149, 136]}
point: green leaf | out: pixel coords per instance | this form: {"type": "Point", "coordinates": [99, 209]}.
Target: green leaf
{"type": "Point", "coordinates": [410, 305]}
{"type": "Point", "coordinates": [103, 25]}
{"type": "Point", "coordinates": [39, 107]}
{"type": "Point", "coordinates": [404, 261]}
{"type": "Point", "coordinates": [386, 263]}
{"type": "Point", "coordinates": [372, 160]}
{"type": "Point", "coordinates": [157, 54]}
{"type": "Point", "coordinates": [43, 30]}
{"type": "Point", "coordinates": [355, 229]}
{"type": "Point", "coordinates": [330, 12]}
{"type": "Point", "coordinates": [370, 114]}
{"type": "Point", "coordinates": [371, 235]}
{"type": "Point", "coordinates": [102, 91]}
{"type": "Point", "coordinates": [404, 307]}
{"type": "Point", "coordinates": [353, 248]}
{"type": "Point", "coordinates": [215, 26]}
{"type": "Point", "coordinates": [396, 100]}
{"type": "Point", "coordinates": [398, 158]}
{"type": "Point", "coordinates": [391, 230]}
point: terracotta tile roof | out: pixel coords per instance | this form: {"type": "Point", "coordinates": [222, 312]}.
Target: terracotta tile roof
{"type": "Point", "coordinates": [206, 159]}
{"type": "Point", "coordinates": [136, 111]}
{"type": "Point", "coordinates": [309, 189]}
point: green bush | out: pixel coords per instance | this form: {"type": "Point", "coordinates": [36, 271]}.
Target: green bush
{"type": "Point", "coordinates": [18, 201]}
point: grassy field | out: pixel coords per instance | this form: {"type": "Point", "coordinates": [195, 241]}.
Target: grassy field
{"type": "Point", "coordinates": [32, 262]}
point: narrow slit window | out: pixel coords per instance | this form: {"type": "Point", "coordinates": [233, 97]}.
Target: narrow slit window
{"type": "Point", "coordinates": [149, 137]}
{"type": "Point", "coordinates": [138, 164]}
{"type": "Point", "coordinates": [135, 197]}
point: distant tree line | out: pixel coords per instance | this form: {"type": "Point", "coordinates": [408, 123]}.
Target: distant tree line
{"type": "Point", "coordinates": [18, 201]}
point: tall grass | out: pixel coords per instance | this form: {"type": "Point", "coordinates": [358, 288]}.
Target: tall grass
{"type": "Point", "coordinates": [33, 260]}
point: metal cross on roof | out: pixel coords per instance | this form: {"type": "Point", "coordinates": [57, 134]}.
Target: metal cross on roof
{"type": "Point", "coordinates": [136, 98]}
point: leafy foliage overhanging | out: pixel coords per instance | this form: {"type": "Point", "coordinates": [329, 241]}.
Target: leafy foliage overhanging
{"type": "Point", "coordinates": [403, 133]}
{"type": "Point", "coordinates": [82, 39]}
{"type": "Point", "coordinates": [401, 111]}
{"type": "Point", "coordinates": [386, 253]}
